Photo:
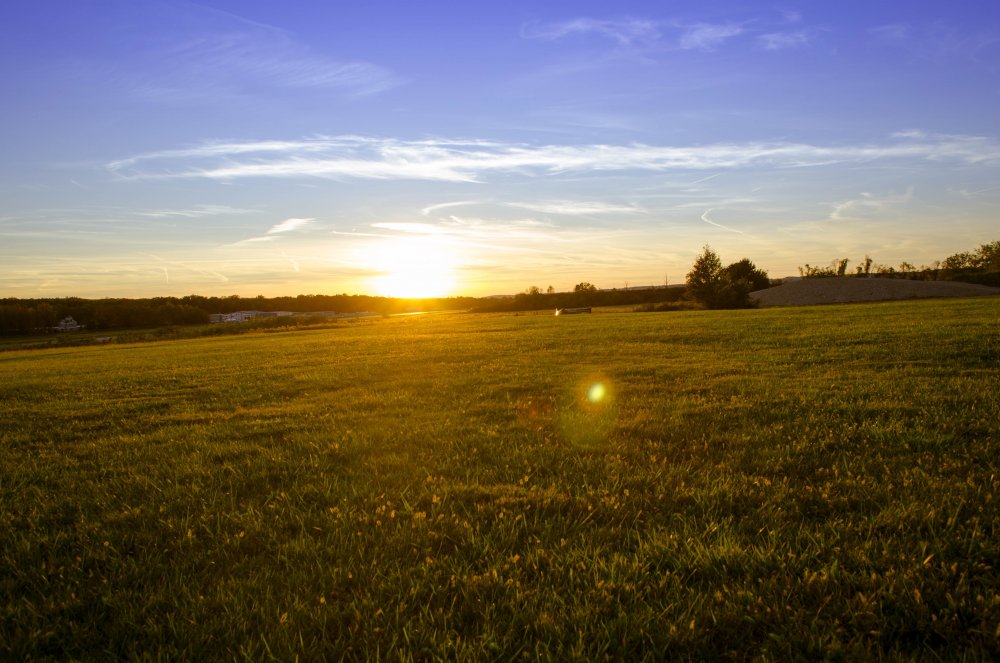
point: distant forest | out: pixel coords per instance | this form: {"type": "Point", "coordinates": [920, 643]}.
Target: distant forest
{"type": "Point", "coordinates": [28, 316]}
{"type": "Point", "coordinates": [980, 266]}
{"type": "Point", "coordinates": [37, 316]}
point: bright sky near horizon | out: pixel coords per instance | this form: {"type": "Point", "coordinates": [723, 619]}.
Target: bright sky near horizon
{"type": "Point", "coordinates": [423, 148]}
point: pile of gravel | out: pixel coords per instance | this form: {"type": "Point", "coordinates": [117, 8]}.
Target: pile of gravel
{"type": "Point", "coordinates": [858, 289]}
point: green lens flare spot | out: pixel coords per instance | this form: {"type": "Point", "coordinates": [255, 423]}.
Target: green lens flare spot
{"type": "Point", "coordinates": [597, 392]}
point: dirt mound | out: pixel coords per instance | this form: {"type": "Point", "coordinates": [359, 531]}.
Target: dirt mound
{"type": "Point", "coordinates": [857, 289]}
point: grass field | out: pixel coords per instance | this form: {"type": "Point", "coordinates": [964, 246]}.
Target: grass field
{"type": "Point", "coordinates": [796, 483]}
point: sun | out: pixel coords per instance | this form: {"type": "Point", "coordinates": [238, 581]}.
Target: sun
{"type": "Point", "coordinates": [412, 267]}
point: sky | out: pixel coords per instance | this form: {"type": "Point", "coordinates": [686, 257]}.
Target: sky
{"type": "Point", "coordinates": [251, 147]}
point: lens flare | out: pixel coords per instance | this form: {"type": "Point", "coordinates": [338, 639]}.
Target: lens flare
{"type": "Point", "coordinates": [589, 420]}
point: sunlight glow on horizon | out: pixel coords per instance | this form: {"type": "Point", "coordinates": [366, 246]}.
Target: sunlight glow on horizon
{"type": "Point", "coordinates": [412, 267]}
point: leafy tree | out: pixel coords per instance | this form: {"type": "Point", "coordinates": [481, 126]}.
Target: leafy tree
{"type": "Point", "coordinates": [703, 281]}
{"type": "Point", "coordinates": [533, 297]}
{"type": "Point", "coordinates": [715, 286]}
{"type": "Point", "coordinates": [958, 261]}
{"type": "Point", "coordinates": [585, 287]}
{"type": "Point", "coordinates": [988, 257]}
{"type": "Point", "coordinates": [745, 272]}
{"type": "Point", "coordinates": [838, 267]}
{"type": "Point", "coordinates": [985, 258]}
{"type": "Point", "coordinates": [813, 272]}
{"type": "Point", "coordinates": [979, 266]}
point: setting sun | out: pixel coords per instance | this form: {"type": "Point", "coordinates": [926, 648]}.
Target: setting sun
{"type": "Point", "coordinates": [412, 267]}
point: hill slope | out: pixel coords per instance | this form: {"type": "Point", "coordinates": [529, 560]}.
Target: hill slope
{"type": "Point", "coordinates": [853, 289]}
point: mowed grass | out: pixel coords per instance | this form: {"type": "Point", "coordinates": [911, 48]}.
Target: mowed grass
{"type": "Point", "coordinates": [778, 484]}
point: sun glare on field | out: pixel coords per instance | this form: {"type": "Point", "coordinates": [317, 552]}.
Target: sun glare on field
{"type": "Point", "coordinates": [412, 267]}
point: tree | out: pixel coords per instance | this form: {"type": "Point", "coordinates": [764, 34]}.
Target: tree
{"type": "Point", "coordinates": [745, 272]}
{"type": "Point", "coordinates": [704, 277]}
{"type": "Point", "coordinates": [987, 257]}
{"type": "Point", "coordinates": [838, 267]}
{"type": "Point", "coordinates": [585, 287]}
{"type": "Point", "coordinates": [979, 266]}
{"type": "Point", "coordinates": [716, 286]}
{"type": "Point", "coordinates": [957, 262]}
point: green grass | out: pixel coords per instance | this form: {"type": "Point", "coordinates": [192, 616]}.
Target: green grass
{"type": "Point", "coordinates": [797, 483]}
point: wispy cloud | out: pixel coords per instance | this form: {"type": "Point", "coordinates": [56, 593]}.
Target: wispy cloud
{"type": "Point", "coordinates": [353, 157]}
{"type": "Point", "coordinates": [868, 204]}
{"type": "Point", "coordinates": [559, 207]}
{"type": "Point", "coordinates": [411, 228]}
{"type": "Point", "coordinates": [194, 212]}
{"type": "Point", "coordinates": [253, 240]}
{"type": "Point", "coordinates": [288, 225]}
{"type": "Point", "coordinates": [296, 267]}
{"type": "Point", "coordinates": [227, 149]}
{"type": "Point", "coordinates": [283, 66]}
{"type": "Point", "coordinates": [779, 41]}
{"type": "Point", "coordinates": [577, 207]}
{"type": "Point", "coordinates": [283, 228]}
{"type": "Point", "coordinates": [940, 42]}
{"type": "Point", "coordinates": [476, 231]}
{"type": "Point", "coordinates": [201, 52]}
{"type": "Point", "coordinates": [191, 266]}
{"type": "Point", "coordinates": [708, 36]}
{"type": "Point", "coordinates": [972, 194]}
{"type": "Point", "coordinates": [625, 31]}
{"type": "Point", "coordinates": [430, 209]}
{"type": "Point", "coordinates": [702, 36]}
{"type": "Point", "coordinates": [704, 217]}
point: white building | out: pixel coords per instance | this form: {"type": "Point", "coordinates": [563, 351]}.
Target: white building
{"type": "Point", "coordinates": [244, 316]}
{"type": "Point", "coordinates": [68, 324]}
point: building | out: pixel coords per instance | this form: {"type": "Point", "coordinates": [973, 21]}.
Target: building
{"type": "Point", "coordinates": [244, 316]}
{"type": "Point", "coordinates": [68, 324]}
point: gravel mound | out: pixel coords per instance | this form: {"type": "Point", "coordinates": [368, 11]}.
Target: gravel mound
{"type": "Point", "coordinates": [856, 289]}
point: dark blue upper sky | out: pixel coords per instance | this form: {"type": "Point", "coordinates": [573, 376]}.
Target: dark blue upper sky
{"type": "Point", "coordinates": [259, 147]}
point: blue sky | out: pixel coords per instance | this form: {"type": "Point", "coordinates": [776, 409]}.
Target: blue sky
{"type": "Point", "coordinates": [247, 147]}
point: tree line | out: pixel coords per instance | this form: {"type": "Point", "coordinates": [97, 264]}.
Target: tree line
{"type": "Point", "coordinates": [583, 294]}
{"type": "Point", "coordinates": [981, 265]}
{"type": "Point", "coordinates": [34, 316]}
{"type": "Point", "coordinates": [709, 284]}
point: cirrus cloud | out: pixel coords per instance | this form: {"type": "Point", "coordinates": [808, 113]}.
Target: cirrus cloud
{"type": "Point", "coordinates": [624, 31]}
{"type": "Point", "coordinates": [355, 157]}
{"type": "Point", "coordinates": [288, 225]}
